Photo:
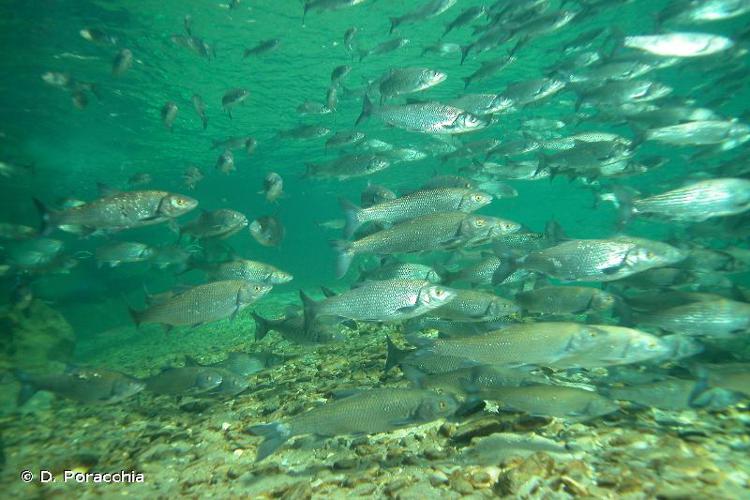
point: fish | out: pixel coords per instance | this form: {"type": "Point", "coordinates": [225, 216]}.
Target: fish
{"type": "Point", "coordinates": [719, 318]}
{"type": "Point", "coordinates": [200, 109]}
{"type": "Point", "coordinates": [529, 91]}
{"type": "Point", "coordinates": [232, 98]}
{"type": "Point", "coordinates": [267, 230]}
{"type": "Point", "coordinates": [347, 167]}
{"type": "Point", "coordinates": [84, 385]}
{"type": "Point", "coordinates": [339, 73]}
{"type": "Point", "coordinates": [599, 260]}
{"type": "Point", "coordinates": [244, 364]}
{"type": "Point", "coordinates": [122, 63]}
{"type": "Point", "coordinates": [273, 187]}
{"type": "Point", "coordinates": [231, 143]}
{"type": "Point", "coordinates": [672, 394]}
{"type": "Point", "coordinates": [725, 134]}
{"type": "Point", "coordinates": [262, 48]}
{"type": "Point", "coordinates": [695, 202]}
{"type": "Point", "coordinates": [466, 17]}
{"type": "Point", "coordinates": [428, 232]}
{"type": "Point", "coordinates": [730, 376]}
{"type": "Point", "coordinates": [248, 270]}
{"type": "Point", "coordinates": [342, 139]}
{"type": "Point", "coordinates": [384, 47]}
{"type": "Point", "coordinates": [426, 117]}
{"type": "Point", "coordinates": [140, 178]}
{"type": "Point", "coordinates": [313, 108]}
{"type": "Point", "coordinates": [323, 5]}
{"type": "Point", "coordinates": [475, 305]}
{"type": "Point", "coordinates": [9, 231]}
{"type": "Point", "coordinates": [489, 68]}
{"type": "Point", "coordinates": [374, 194]}
{"type": "Point", "coordinates": [442, 48]}
{"type": "Point", "coordinates": [401, 270]}
{"type": "Point", "coordinates": [367, 412]}
{"type": "Point", "coordinates": [332, 98]}
{"type": "Point", "coordinates": [184, 381]}
{"type": "Point", "coordinates": [483, 104]}
{"type": "Point", "coordinates": [305, 132]}
{"type": "Point", "coordinates": [292, 327]}
{"type": "Point", "coordinates": [408, 80]}
{"type": "Point", "coordinates": [225, 162]}
{"type": "Point", "coordinates": [220, 224]}
{"type": "Point", "coordinates": [98, 36]}
{"type": "Point", "coordinates": [203, 304]}
{"type": "Point", "coordinates": [701, 11]}
{"type": "Point", "coordinates": [386, 300]}
{"type": "Point", "coordinates": [679, 44]}
{"type": "Point", "coordinates": [169, 114]}
{"type": "Point", "coordinates": [122, 210]}
{"type": "Point", "coordinates": [412, 205]}
{"type": "Point", "coordinates": [565, 300]}
{"type": "Point", "coordinates": [551, 401]}
{"type": "Point", "coordinates": [432, 8]}
{"type": "Point", "coordinates": [118, 253]}
{"type": "Point", "coordinates": [556, 345]}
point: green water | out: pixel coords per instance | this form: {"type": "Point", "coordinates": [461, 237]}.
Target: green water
{"type": "Point", "coordinates": [120, 133]}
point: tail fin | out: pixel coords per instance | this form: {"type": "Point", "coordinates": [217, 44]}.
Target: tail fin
{"type": "Point", "coordinates": [553, 232]}
{"type": "Point", "coordinates": [309, 306]}
{"type": "Point", "coordinates": [27, 388]}
{"type": "Point", "coordinates": [262, 326]}
{"type": "Point", "coordinates": [467, 81]}
{"type": "Point", "coordinates": [344, 257]}
{"type": "Point", "coordinates": [136, 316]}
{"type": "Point", "coordinates": [204, 120]}
{"type": "Point", "coordinates": [352, 214]}
{"type": "Point", "coordinates": [394, 356]}
{"type": "Point", "coordinates": [366, 110]}
{"type": "Point", "coordinates": [395, 21]}
{"type": "Point", "coordinates": [465, 52]}
{"type": "Point", "coordinates": [327, 291]}
{"type": "Point", "coordinates": [363, 54]}
{"type": "Point", "coordinates": [507, 267]}
{"type": "Point", "coordinates": [625, 200]}
{"type": "Point", "coordinates": [46, 226]}
{"type": "Point", "coordinates": [274, 435]}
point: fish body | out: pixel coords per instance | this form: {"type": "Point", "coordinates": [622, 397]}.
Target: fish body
{"type": "Point", "coordinates": [719, 318]}
{"type": "Point", "coordinates": [388, 300]}
{"type": "Point", "coordinates": [232, 98]}
{"type": "Point", "coordinates": [430, 9]}
{"type": "Point", "coordinates": [483, 104]}
{"type": "Point", "coordinates": [565, 300]}
{"type": "Point", "coordinates": [426, 117]}
{"type": "Point", "coordinates": [88, 386]}
{"type": "Point", "coordinates": [117, 253]}
{"type": "Point", "coordinates": [219, 224]}
{"type": "Point", "coordinates": [203, 303]}
{"type": "Point", "coordinates": [200, 109]}
{"type": "Point", "coordinates": [169, 114]}
{"type": "Point", "coordinates": [122, 210]}
{"type": "Point", "coordinates": [408, 80]}
{"type": "Point", "coordinates": [225, 162]}
{"type": "Point", "coordinates": [476, 305]}
{"type": "Point", "coordinates": [122, 63]}
{"type": "Point", "coordinates": [348, 166]}
{"type": "Point", "coordinates": [249, 270]}
{"type": "Point", "coordinates": [415, 204]}
{"type": "Point", "coordinates": [428, 232]}
{"type": "Point", "coordinates": [368, 412]}
{"type": "Point", "coordinates": [184, 381]}
{"type": "Point", "coordinates": [273, 187]}
{"type": "Point", "coordinates": [261, 48]}
{"type": "Point", "coordinates": [679, 44]}
{"type": "Point", "coordinates": [551, 401]}
{"type": "Point", "coordinates": [267, 230]}
{"type": "Point", "coordinates": [727, 134]}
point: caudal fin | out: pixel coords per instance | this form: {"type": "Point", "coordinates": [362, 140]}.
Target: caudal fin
{"type": "Point", "coordinates": [366, 110]}
{"type": "Point", "coordinates": [309, 306]}
{"type": "Point", "coordinates": [136, 316]}
{"type": "Point", "coordinates": [344, 256]}
{"type": "Point", "coordinates": [46, 226]}
{"type": "Point", "coordinates": [394, 355]}
{"type": "Point", "coordinates": [262, 326]}
{"type": "Point", "coordinates": [395, 21]}
{"type": "Point", "coordinates": [274, 435]}
{"type": "Point", "coordinates": [352, 214]}
{"type": "Point", "coordinates": [465, 49]}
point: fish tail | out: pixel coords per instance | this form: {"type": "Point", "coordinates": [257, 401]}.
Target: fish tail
{"type": "Point", "coordinates": [699, 389]}
{"type": "Point", "coordinates": [467, 81]}
{"type": "Point", "coordinates": [395, 21]}
{"type": "Point", "coordinates": [507, 267]}
{"type": "Point", "coordinates": [465, 52]}
{"type": "Point", "coordinates": [553, 231]}
{"type": "Point", "coordinates": [327, 291]}
{"type": "Point", "coordinates": [204, 120]}
{"type": "Point", "coordinates": [394, 355]}
{"type": "Point", "coordinates": [363, 54]}
{"type": "Point", "coordinates": [353, 216]}
{"type": "Point", "coordinates": [47, 225]}
{"type": "Point", "coordinates": [309, 306]}
{"type": "Point", "coordinates": [274, 435]}
{"type": "Point", "coordinates": [624, 200]}
{"type": "Point", "coordinates": [366, 110]}
{"type": "Point", "coordinates": [135, 316]}
{"type": "Point", "coordinates": [344, 257]}
{"type": "Point", "coordinates": [27, 388]}
{"type": "Point", "coordinates": [262, 326]}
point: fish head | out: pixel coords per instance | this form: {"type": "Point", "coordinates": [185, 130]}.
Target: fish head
{"type": "Point", "coordinates": [377, 164]}
{"type": "Point", "coordinates": [601, 300]}
{"type": "Point", "coordinates": [656, 90]}
{"type": "Point", "coordinates": [501, 307]}
{"type": "Point", "coordinates": [642, 346]}
{"type": "Point", "coordinates": [432, 276]}
{"type": "Point", "coordinates": [174, 205]}
{"type": "Point", "coordinates": [431, 77]}
{"type": "Point", "coordinates": [466, 122]}
{"type": "Point", "coordinates": [279, 277]}
{"type": "Point", "coordinates": [434, 296]}
{"type": "Point", "coordinates": [600, 406]}
{"type": "Point", "coordinates": [250, 292]}
{"type": "Point", "coordinates": [435, 405]}
{"type": "Point", "coordinates": [474, 200]}
{"type": "Point", "coordinates": [681, 346]}
{"type": "Point", "coordinates": [654, 254]}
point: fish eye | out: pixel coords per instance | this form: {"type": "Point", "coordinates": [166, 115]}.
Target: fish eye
{"type": "Point", "coordinates": [257, 288]}
{"type": "Point", "coordinates": [442, 405]}
{"type": "Point", "coordinates": [439, 293]}
{"type": "Point", "coordinates": [477, 197]}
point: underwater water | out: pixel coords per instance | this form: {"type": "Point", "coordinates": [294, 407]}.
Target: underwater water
{"type": "Point", "coordinates": [344, 248]}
